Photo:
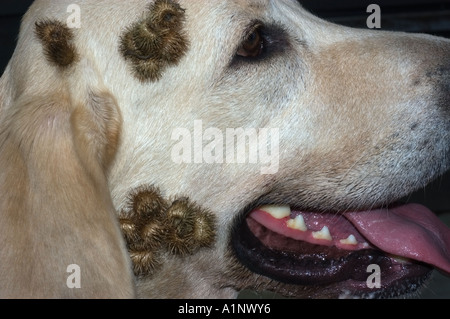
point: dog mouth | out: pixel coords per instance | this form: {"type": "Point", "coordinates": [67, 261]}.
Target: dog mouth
{"type": "Point", "coordinates": [382, 253]}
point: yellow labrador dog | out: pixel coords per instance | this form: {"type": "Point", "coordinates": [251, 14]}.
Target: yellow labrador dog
{"type": "Point", "coordinates": [287, 140]}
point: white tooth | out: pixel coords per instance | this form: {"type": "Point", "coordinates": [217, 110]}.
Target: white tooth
{"type": "Point", "coordinates": [278, 212]}
{"type": "Point", "coordinates": [297, 223]}
{"type": "Point", "coordinates": [323, 234]}
{"type": "Point", "coordinates": [351, 240]}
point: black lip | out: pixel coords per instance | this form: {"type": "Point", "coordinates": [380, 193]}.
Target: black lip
{"type": "Point", "coordinates": [324, 266]}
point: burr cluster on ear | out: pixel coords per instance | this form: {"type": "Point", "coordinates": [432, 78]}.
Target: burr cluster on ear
{"type": "Point", "coordinates": [153, 226]}
{"type": "Point", "coordinates": [56, 37]}
{"type": "Point", "coordinates": [155, 42]}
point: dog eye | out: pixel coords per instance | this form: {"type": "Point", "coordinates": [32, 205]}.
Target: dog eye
{"type": "Point", "coordinates": [253, 45]}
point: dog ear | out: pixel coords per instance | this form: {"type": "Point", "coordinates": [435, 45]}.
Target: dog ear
{"type": "Point", "coordinates": [58, 226]}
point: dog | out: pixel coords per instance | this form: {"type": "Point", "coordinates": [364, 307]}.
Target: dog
{"type": "Point", "coordinates": [108, 107]}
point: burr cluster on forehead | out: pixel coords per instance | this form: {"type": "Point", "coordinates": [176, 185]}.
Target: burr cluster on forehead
{"type": "Point", "coordinates": [155, 42]}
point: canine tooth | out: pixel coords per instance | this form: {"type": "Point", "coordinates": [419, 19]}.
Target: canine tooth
{"type": "Point", "coordinates": [351, 240]}
{"type": "Point", "coordinates": [278, 212]}
{"type": "Point", "coordinates": [323, 234]}
{"type": "Point", "coordinates": [297, 223]}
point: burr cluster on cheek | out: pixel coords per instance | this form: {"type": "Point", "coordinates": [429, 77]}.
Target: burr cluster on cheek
{"type": "Point", "coordinates": [154, 227]}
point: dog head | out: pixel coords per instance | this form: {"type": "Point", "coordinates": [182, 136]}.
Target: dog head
{"type": "Point", "coordinates": [298, 135]}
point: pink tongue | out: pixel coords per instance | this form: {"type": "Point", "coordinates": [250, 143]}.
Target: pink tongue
{"type": "Point", "coordinates": [410, 231]}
